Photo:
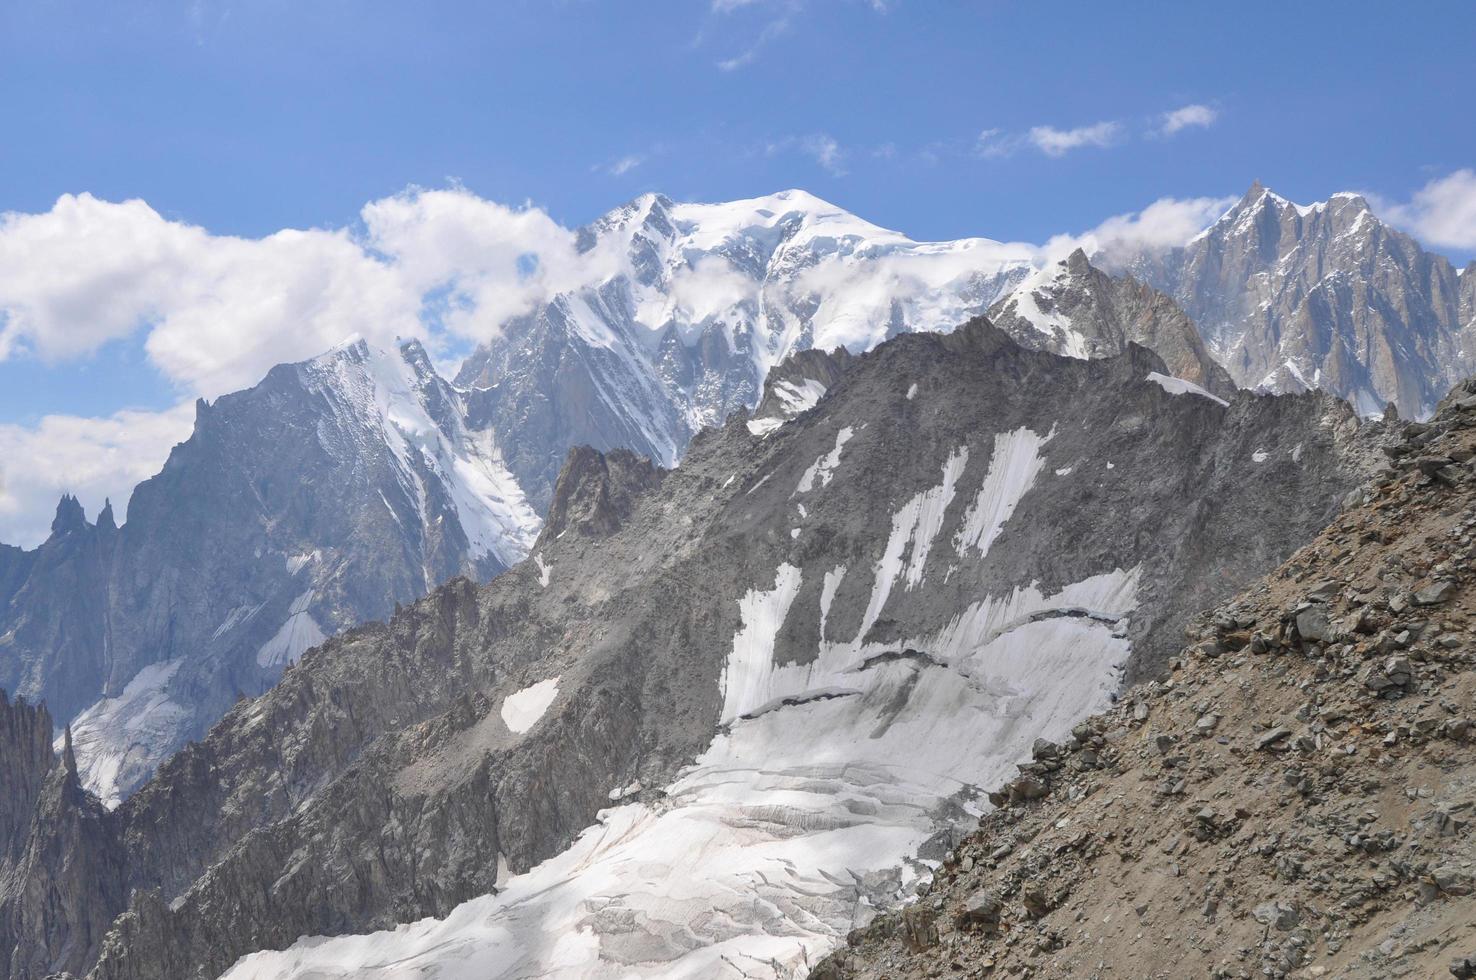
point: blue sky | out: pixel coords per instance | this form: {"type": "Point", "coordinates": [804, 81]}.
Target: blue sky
{"type": "Point", "coordinates": [251, 116]}
{"type": "Point", "coordinates": [246, 117]}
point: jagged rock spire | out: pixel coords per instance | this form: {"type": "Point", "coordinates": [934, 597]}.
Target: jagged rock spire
{"type": "Point", "coordinates": [69, 756]}
{"type": "Point", "coordinates": [69, 515]}
{"type": "Point", "coordinates": [1078, 263]}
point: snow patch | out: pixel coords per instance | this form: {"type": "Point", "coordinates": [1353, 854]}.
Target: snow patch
{"type": "Point", "coordinates": [120, 740]}
{"type": "Point", "coordinates": [799, 398]}
{"type": "Point", "coordinates": [747, 674]}
{"type": "Point", "coordinates": [762, 427]}
{"type": "Point", "coordinates": [765, 853]}
{"type": "Point", "coordinates": [295, 637]}
{"type": "Point", "coordinates": [295, 563]}
{"type": "Point", "coordinates": [544, 571]}
{"type": "Point", "coordinates": [821, 471]}
{"type": "Point", "coordinates": [234, 618]}
{"type": "Point", "coordinates": [522, 710]}
{"type": "Point", "coordinates": [1178, 386]}
{"type": "Point", "coordinates": [1012, 471]}
{"type": "Point", "coordinates": [828, 590]}
{"type": "Point", "coordinates": [913, 528]}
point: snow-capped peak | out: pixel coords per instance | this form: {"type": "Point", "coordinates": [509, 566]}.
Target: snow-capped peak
{"type": "Point", "coordinates": [421, 420]}
{"type": "Point", "coordinates": [1242, 215]}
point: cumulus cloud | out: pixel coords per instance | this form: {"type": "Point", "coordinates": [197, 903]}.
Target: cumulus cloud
{"type": "Point", "coordinates": [95, 459]}
{"type": "Point", "coordinates": [218, 311]}
{"type": "Point", "coordinates": [1442, 213]}
{"type": "Point", "coordinates": [487, 261]}
{"type": "Point", "coordinates": [1166, 223]}
{"type": "Point", "coordinates": [1055, 142]}
{"type": "Point", "coordinates": [1185, 117]}
{"type": "Point", "coordinates": [711, 288]}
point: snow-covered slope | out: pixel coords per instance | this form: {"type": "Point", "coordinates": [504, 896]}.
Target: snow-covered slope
{"type": "Point", "coordinates": [705, 299]}
{"type": "Point", "coordinates": [318, 499]}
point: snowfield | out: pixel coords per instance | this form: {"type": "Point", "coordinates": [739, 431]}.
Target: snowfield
{"type": "Point", "coordinates": [774, 842]}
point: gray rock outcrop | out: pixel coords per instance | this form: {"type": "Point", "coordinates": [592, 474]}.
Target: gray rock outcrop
{"type": "Point", "coordinates": [389, 775]}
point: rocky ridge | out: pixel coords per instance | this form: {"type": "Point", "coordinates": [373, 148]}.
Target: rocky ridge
{"type": "Point", "coordinates": [1293, 797]}
{"type": "Point", "coordinates": [546, 755]}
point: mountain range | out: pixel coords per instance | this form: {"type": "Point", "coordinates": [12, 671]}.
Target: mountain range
{"type": "Point", "coordinates": [338, 487]}
{"type": "Point", "coordinates": [684, 732]}
{"type": "Point", "coordinates": [885, 531]}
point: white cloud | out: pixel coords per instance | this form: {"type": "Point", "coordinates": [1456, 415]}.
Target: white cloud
{"type": "Point", "coordinates": [1053, 142]}
{"type": "Point", "coordinates": [218, 311]}
{"type": "Point", "coordinates": [823, 148]}
{"type": "Point", "coordinates": [625, 165]}
{"type": "Point", "coordinates": [491, 261]}
{"type": "Point", "coordinates": [996, 143]}
{"type": "Point", "coordinates": [827, 152]}
{"type": "Point", "coordinates": [92, 458]}
{"type": "Point", "coordinates": [1442, 213]}
{"type": "Point", "coordinates": [1186, 116]}
{"type": "Point", "coordinates": [711, 288]}
{"type": "Point", "coordinates": [1166, 223]}
{"type": "Point", "coordinates": [780, 17]}
{"type": "Point", "coordinates": [1058, 142]}
{"type": "Point", "coordinates": [777, 26]}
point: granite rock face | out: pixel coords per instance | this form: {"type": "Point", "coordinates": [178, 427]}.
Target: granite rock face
{"type": "Point", "coordinates": [1291, 296]}
{"type": "Point", "coordinates": [698, 670]}
{"type": "Point", "coordinates": [316, 500]}
{"type": "Point", "coordinates": [1074, 308]}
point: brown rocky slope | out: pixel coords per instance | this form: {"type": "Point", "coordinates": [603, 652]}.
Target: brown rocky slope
{"type": "Point", "coordinates": [1293, 797]}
